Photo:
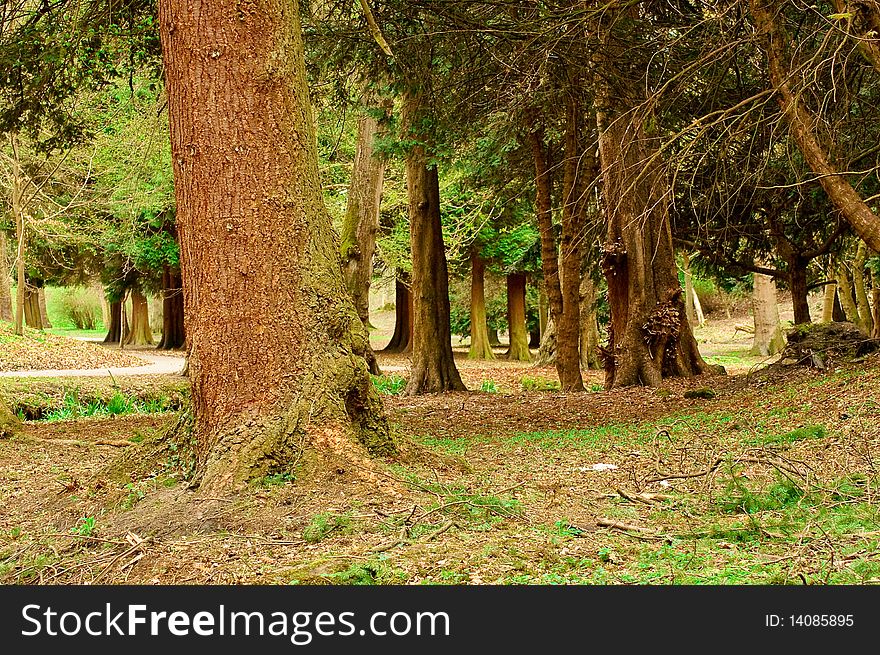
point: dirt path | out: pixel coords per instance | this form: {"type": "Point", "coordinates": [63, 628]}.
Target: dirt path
{"type": "Point", "coordinates": [155, 365]}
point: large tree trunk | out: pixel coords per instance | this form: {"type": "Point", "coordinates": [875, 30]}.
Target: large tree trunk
{"type": "Point", "coordinates": [276, 347]}
{"type": "Point", "coordinates": [769, 338]}
{"type": "Point", "coordinates": [801, 123]}
{"type": "Point", "coordinates": [173, 326]}
{"type": "Point", "coordinates": [649, 334]}
{"type": "Point", "coordinates": [480, 347]}
{"type": "Point", "coordinates": [117, 330]}
{"type": "Point", "coordinates": [433, 367]}
{"type": "Point", "coordinates": [401, 339]}
{"type": "Point", "coordinates": [140, 333]}
{"type": "Point", "coordinates": [361, 223]}
{"type": "Point", "coordinates": [518, 349]}
{"type": "Point", "coordinates": [6, 313]}
{"type": "Point", "coordinates": [866, 320]}
{"type": "Point", "coordinates": [589, 326]}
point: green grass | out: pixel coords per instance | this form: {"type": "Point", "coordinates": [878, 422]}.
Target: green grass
{"type": "Point", "coordinates": [798, 434]}
{"type": "Point", "coordinates": [390, 385]}
{"type": "Point", "coordinates": [539, 384]}
{"type": "Point", "coordinates": [73, 407]}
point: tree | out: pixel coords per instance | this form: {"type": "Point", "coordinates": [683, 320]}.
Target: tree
{"type": "Point", "coordinates": [649, 335]}
{"type": "Point", "coordinates": [433, 365]}
{"type": "Point", "coordinates": [361, 221]}
{"type": "Point", "coordinates": [277, 349]}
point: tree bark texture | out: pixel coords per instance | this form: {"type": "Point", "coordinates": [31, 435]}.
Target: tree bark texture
{"type": "Point", "coordinates": [173, 326]}
{"type": "Point", "coordinates": [518, 349]}
{"type": "Point", "coordinates": [480, 346]}
{"type": "Point", "coordinates": [589, 326]}
{"type": "Point", "coordinates": [361, 223]}
{"type": "Point", "coordinates": [6, 313]}
{"type": "Point", "coordinates": [433, 367]}
{"type": "Point", "coordinates": [845, 292]}
{"type": "Point", "coordinates": [401, 339]}
{"type": "Point", "coordinates": [41, 304]}
{"type": "Point", "coordinates": [276, 348]}
{"type": "Point", "coordinates": [769, 338]}
{"type": "Point", "coordinates": [139, 333]}
{"type": "Point", "coordinates": [117, 329]}
{"type": "Point", "coordinates": [649, 334]}
{"type": "Point", "coordinates": [866, 320]}
{"type": "Point", "coordinates": [33, 317]}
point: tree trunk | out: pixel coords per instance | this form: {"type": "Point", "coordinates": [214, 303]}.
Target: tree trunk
{"type": "Point", "coordinates": [361, 223]}
{"type": "Point", "coordinates": [589, 326]}
{"type": "Point", "coordinates": [494, 339]}
{"type": "Point", "coordinates": [518, 350]}
{"type": "Point", "coordinates": [401, 340]}
{"type": "Point", "coordinates": [480, 348]}
{"type": "Point", "coordinates": [547, 352]}
{"type": "Point", "coordinates": [567, 367]}
{"type": "Point", "coordinates": [543, 311]}
{"type": "Point", "coordinates": [852, 207]}
{"type": "Point", "coordinates": [32, 316]}
{"type": "Point", "coordinates": [118, 328]}
{"type": "Point", "coordinates": [20, 235]}
{"type": "Point", "coordinates": [105, 307]}
{"type": "Point", "coordinates": [649, 334]}
{"type": "Point", "coordinates": [140, 333]}
{"type": "Point", "coordinates": [173, 326]}
{"type": "Point", "coordinates": [866, 320]}
{"type": "Point", "coordinates": [875, 298]}
{"type": "Point", "coordinates": [433, 366]}
{"type": "Point", "coordinates": [276, 347]}
{"type": "Point", "coordinates": [828, 302]}
{"type": "Point", "coordinates": [41, 303]}
{"type": "Point", "coordinates": [845, 293]}
{"type": "Point", "coordinates": [6, 313]}
{"type": "Point", "coordinates": [769, 338]}
{"type": "Point", "coordinates": [797, 284]}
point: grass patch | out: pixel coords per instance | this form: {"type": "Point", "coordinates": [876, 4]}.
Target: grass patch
{"type": "Point", "coordinates": [119, 404]}
{"type": "Point", "coordinates": [321, 525]}
{"type": "Point", "coordinates": [539, 384]}
{"type": "Point", "coordinates": [787, 438]}
{"type": "Point", "coordinates": [390, 385]}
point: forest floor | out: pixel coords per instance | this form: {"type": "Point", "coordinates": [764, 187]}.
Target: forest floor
{"type": "Point", "coordinates": [766, 476]}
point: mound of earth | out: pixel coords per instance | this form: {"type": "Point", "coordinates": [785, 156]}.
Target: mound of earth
{"type": "Point", "coordinates": [38, 350]}
{"type": "Point", "coordinates": [822, 344]}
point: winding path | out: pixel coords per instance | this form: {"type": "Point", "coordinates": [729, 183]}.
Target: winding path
{"type": "Point", "coordinates": [158, 365]}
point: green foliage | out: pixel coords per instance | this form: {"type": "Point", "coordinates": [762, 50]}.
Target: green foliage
{"type": "Point", "coordinates": [539, 384]}
{"type": "Point", "coordinates": [84, 527]}
{"type": "Point", "coordinates": [76, 308]}
{"type": "Point", "coordinates": [798, 434]}
{"type": "Point", "coordinates": [273, 480]}
{"type": "Point", "coordinates": [72, 407]}
{"type": "Point", "coordinates": [390, 385]}
{"type": "Point", "coordinates": [739, 498]}
{"type": "Point", "coordinates": [488, 386]}
{"type": "Point", "coordinates": [135, 494]}
{"type": "Point", "coordinates": [323, 524]}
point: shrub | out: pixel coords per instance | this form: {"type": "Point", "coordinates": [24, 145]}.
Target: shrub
{"type": "Point", "coordinates": [81, 308]}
